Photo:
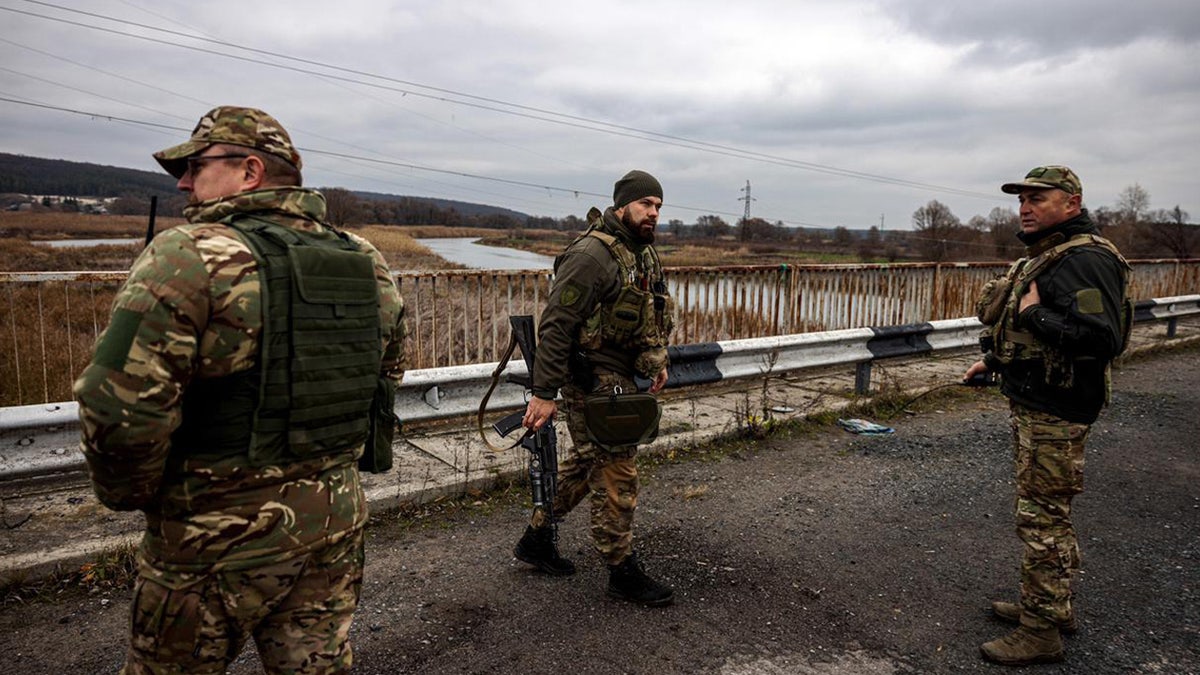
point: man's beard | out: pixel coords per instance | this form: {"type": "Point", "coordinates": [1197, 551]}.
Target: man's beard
{"type": "Point", "coordinates": [642, 235]}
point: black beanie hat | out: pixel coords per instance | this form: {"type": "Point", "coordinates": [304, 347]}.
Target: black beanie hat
{"type": "Point", "coordinates": [635, 185]}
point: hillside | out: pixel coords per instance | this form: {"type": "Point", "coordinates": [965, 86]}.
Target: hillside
{"type": "Point", "coordinates": [39, 176]}
{"type": "Point", "coordinates": [465, 208]}
{"type": "Point", "coordinates": [25, 175]}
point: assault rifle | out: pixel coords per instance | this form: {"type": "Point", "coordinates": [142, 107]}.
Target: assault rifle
{"type": "Point", "coordinates": [541, 444]}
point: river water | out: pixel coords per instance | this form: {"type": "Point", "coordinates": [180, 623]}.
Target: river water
{"type": "Point", "coordinates": [79, 243]}
{"type": "Point", "coordinates": [464, 251]}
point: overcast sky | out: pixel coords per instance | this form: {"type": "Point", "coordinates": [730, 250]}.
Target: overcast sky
{"type": "Point", "coordinates": [838, 112]}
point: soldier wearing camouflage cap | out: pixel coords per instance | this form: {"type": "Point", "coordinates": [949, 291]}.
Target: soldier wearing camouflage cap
{"type": "Point", "coordinates": [1055, 323]}
{"type": "Point", "coordinates": [607, 320]}
{"type": "Point", "coordinates": [243, 453]}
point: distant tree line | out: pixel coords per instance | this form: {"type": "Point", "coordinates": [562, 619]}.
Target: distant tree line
{"type": "Point", "coordinates": [1138, 230]}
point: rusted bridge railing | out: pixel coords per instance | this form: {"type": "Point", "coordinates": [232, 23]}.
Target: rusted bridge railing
{"type": "Point", "coordinates": [50, 320]}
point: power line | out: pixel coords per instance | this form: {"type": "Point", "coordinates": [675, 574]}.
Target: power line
{"type": "Point", "coordinates": [90, 93]}
{"type": "Point", "coordinates": [518, 110]}
{"type": "Point", "coordinates": [569, 191]}
{"type": "Point", "coordinates": [11, 98]}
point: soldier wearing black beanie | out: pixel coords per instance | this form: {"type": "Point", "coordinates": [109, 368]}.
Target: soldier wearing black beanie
{"type": "Point", "coordinates": [608, 320]}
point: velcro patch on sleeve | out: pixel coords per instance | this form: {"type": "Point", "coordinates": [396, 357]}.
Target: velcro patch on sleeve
{"type": "Point", "coordinates": [1089, 301]}
{"type": "Point", "coordinates": [571, 293]}
{"type": "Point", "coordinates": [113, 349]}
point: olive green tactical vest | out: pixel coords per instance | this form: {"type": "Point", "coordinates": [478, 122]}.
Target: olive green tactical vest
{"type": "Point", "coordinates": [1013, 344]}
{"type": "Point", "coordinates": [319, 356]}
{"type": "Point", "coordinates": [642, 315]}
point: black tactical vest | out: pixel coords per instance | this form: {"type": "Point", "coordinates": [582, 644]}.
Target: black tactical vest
{"type": "Point", "coordinates": [319, 356]}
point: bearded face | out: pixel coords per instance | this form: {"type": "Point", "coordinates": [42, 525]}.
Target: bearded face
{"type": "Point", "coordinates": [640, 217]}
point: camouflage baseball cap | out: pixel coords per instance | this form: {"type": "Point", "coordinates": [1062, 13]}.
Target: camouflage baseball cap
{"type": "Point", "coordinates": [234, 125]}
{"type": "Point", "coordinates": [1053, 176]}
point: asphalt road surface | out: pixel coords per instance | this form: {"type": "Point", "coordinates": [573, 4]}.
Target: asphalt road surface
{"type": "Point", "coordinates": [820, 553]}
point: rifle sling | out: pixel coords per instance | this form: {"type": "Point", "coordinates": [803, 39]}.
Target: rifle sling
{"type": "Point", "coordinates": [512, 345]}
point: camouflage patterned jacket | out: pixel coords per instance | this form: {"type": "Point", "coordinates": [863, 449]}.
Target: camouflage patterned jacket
{"type": "Point", "coordinates": [587, 281]}
{"type": "Point", "coordinates": [190, 310]}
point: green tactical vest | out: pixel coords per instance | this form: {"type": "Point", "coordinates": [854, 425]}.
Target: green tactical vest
{"type": "Point", "coordinates": [642, 315]}
{"type": "Point", "coordinates": [1012, 343]}
{"type": "Point", "coordinates": [318, 362]}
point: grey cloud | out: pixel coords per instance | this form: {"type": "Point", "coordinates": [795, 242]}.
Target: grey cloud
{"type": "Point", "coordinates": [1023, 30]}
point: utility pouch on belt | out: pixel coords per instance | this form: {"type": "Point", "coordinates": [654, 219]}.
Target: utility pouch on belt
{"type": "Point", "coordinates": [377, 453]}
{"type": "Point", "coordinates": [616, 419]}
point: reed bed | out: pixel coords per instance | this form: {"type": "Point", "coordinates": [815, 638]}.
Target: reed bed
{"type": "Point", "coordinates": [48, 336]}
{"type": "Point", "coordinates": [63, 225]}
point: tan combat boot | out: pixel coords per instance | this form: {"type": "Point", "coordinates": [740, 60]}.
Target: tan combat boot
{"type": "Point", "coordinates": [1025, 646]}
{"type": "Point", "coordinates": [1011, 612]}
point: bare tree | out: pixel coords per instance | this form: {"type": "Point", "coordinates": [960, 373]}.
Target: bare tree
{"type": "Point", "coordinates": [1003, 226]}
{"type": "Point", "coordinates": [1169, 230]}
{"type": "Point", "coordinates": [1132, 204]}
{"type": "Point", "coordinates": [342, 207]}
{"type": "Point", "coordinates": [758, 229]}
{"type": "Point", "coordinates": [935, 224]}
{"type": "Point", "coordinates": [870, 246]}
{"type": "Point", "coordinates": [712, 226]}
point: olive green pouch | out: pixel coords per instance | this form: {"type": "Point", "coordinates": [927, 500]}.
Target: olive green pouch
{"type": "Point", "coordinates": [616, 419]}
{"type": "Point", "coordinates": [377, 453]}
{"type": "Point", "coordinates": [990, 305]}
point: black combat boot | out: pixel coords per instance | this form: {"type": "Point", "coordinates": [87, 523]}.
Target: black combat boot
{"type": "Point", "coordinates": [628, 581]}
{"type": "Point", "coordinates": [537, 548]}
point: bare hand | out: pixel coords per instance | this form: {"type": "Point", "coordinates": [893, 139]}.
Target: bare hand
{"type": "Point", "coordinates": [538, 412]}
{"type": "Point", "coordinates": [975, 369]}
{"type": "Point", "coordinates": [660, 381]}
{"type": "Point", "coordinates": [1030, 298]}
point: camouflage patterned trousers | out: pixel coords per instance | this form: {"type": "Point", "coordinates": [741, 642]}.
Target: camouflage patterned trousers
{"type": "Point", "coordinates": [299, 612]}
{"type": "Point", "coordinates": [1049, 467]}
{"type": "Point", "coordinates": [607, 477]}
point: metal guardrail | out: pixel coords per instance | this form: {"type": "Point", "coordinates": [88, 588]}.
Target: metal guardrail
{"type": "Point", "coordinates": [37, 440]}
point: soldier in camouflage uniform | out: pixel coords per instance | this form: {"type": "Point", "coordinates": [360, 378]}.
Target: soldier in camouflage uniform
{"type": "Point", "coordinates": [1060, 316]}
{"type": "Point", "coordinates": [607, 320]}
{"type": "Point", "coordinates": [245, 469]}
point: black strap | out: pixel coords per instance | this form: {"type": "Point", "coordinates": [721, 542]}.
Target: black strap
{"type": "Point", "coordinates": [512, 345]}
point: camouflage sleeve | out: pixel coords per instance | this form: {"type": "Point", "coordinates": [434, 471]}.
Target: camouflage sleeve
{"type": "Point", "coordinates": [130, 394]}
{"type": "Point", "coordinates": [585, 273]}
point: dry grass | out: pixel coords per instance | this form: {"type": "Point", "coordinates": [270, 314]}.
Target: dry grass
{"type": "Point", "coordinates": [676, 254]}
{"type": "Point", "coordinates": [725, 253]}
{"type": "Point", "coordinates": [436, 231]}
{"type": "Point", "coordinates": [59, 225]}
{"type": "Point", "coordinates": [21, 255]}
{"type": "Point", "coordinates": [114, 568]}
{"type": "Point", "coordinates": [47, 336]}
{"type": "Point", "coordinates": [402, 251]}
